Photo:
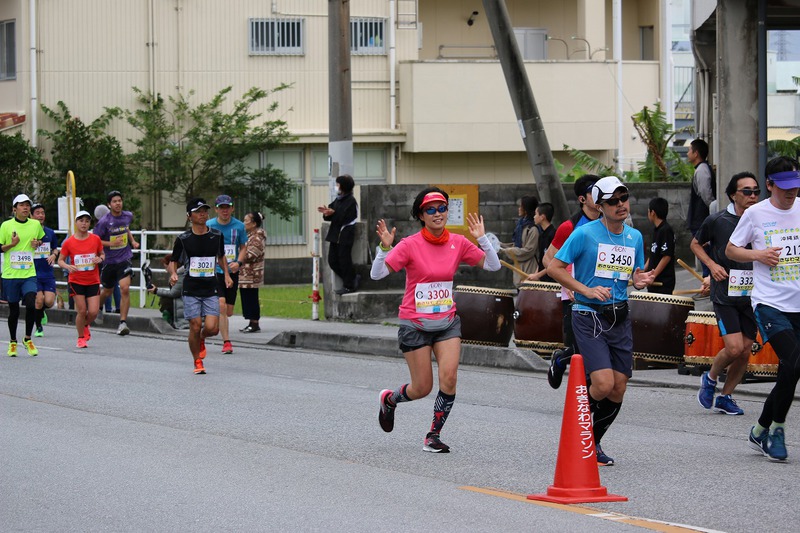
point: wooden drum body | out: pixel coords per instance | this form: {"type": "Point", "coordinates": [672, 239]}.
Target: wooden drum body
{"type": "Point", "coordinates": [537, 319]}
{"type": "Point", "coordinates": [486, 315]}
{"type": "Point", "coordinates": [702, 339]}
{"type": "Point", "coordinates": [763, 360]}
{"type": "Point", "coordinates": [658, 322]}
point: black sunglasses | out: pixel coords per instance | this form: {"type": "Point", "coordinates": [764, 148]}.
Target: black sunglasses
{"type": "Point", "coordinates": [432, 210]}
{"type": "Point", "coordinates": [750, 192]}
{"type": "Point", "coordinates": [614, 201]}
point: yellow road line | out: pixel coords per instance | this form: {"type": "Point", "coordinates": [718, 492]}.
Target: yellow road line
{"type": "Point", "coordinates": [655, 525]}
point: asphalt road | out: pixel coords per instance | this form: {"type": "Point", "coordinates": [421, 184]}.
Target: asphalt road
{"type": "Point", "coordinates": [123, 437]}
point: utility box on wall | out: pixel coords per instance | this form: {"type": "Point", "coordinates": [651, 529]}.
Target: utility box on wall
{"type": "Point", "coordinates": [532, 43]}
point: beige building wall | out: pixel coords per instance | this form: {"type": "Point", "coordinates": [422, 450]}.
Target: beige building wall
{"type": "Point", "coordinates": [455, 120]}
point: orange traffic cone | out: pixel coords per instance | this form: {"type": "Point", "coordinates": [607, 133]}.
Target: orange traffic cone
{"type": "Point", "coordinates": [577, 479]}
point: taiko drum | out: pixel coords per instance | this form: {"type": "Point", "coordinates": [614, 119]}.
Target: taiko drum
{"type": "Point", "coordinates": [486, 315]}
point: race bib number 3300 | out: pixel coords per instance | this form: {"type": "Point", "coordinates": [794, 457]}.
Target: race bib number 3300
{"type": "Point", "coordinates": [434, 297]}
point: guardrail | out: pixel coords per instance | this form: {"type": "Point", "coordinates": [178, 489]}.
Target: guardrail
{"type": "Point", "coordinates": [144, 253]}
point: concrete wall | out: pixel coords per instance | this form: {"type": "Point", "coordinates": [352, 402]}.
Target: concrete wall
{"type": "Point", "coordinates": [498, 207]}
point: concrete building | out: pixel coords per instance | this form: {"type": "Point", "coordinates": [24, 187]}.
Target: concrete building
{"type": "Point", "coordinates": [429, 99]}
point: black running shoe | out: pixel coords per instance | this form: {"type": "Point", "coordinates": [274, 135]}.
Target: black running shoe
{"type": "Point", "coordinates": [556, 372]}
{"type": "Point", "coordinates": [385, 413]}
{"type": "Point", "coordinates": [434, 444]}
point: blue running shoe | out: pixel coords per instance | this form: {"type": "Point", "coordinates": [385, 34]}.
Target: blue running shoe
{"type": "Point", "coordinates": [726, 404]}
{"type": "Point", "coordinates": [707, 389]}
{"type": "Point", "coordinates": [776, 446]}
{"type": "Point", "coordinates": [758, 442]}
{"type": "Point", "coordinates": [602, 458]}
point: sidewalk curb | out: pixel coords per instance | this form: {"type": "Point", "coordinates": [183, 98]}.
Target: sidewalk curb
{"type": "Point", "coordinates": [489, 356]}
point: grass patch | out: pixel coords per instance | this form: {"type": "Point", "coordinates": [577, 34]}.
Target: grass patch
{"type": "Point", "coordinates": [280, 301]}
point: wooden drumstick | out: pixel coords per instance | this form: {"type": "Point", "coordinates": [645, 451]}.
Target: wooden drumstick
{"type": "Point", "coordinates": [654, 284]}
{"type": "Point", "coordinates": [694, 273]}
{"type": "Point", "coordinates": [515, 269]}
{"type": "Point", "coordinates": [688, 291]}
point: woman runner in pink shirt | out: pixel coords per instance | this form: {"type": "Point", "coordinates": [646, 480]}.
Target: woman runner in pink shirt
{"type": "Point", "coordinates": [428, 320]}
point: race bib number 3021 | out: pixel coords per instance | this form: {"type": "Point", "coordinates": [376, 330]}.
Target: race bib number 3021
{"type": "Point", "coordinates": [434, 297]}
{"type": "Point", "coordinates": [202, 267]}
{"type": "Point", "coordinates": [614, 261]}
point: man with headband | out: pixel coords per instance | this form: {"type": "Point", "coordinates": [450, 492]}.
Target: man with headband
{"type": "Point", "coordinates": [768, 234]}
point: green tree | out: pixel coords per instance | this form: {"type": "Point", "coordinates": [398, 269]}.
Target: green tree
{"type": "Point", "coordinates": [95, 157]}
{"type": "Point", "coordinates": [662, 163]}
{"type": "Point", "coordinates": [23, 169]}
{"type": "Point", "coordinates": [189, 150]}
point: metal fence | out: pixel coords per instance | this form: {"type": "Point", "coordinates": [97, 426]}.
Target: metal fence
{"type": "Point", "coordinates": [146, 238]}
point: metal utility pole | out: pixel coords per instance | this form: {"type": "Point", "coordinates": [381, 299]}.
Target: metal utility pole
{"type": "Point", "coordinates": [340, 116]}
{"type": "Point", "coordinates": [530, 122]}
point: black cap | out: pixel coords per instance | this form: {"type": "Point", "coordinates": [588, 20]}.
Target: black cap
{"type": "Point", "coordinates": [194, 204]}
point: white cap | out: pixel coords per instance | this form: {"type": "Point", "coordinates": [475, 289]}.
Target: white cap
{"type": "Point", "coordinates": [21, 198]}
{"type": "Point", "coordinates": [83, 214]}
{"type": "Point", "coordinates": [605, 188]}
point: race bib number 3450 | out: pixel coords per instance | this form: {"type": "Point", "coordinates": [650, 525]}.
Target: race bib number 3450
{"type": "Point", "coordinates": [614, 261]}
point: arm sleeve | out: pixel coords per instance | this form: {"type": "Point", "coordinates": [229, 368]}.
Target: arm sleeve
{"type": "Point", "coordinates": [173, 292]}
{"type": "Point", "coordinates": [379, 270]}
{"type": "Point", "coordinates": [490, 260]}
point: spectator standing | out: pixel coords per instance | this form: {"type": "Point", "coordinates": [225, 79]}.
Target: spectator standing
{"type": "Point", "coordinates": [662, 250]}
{"type": "Point", "coordinates": [251, 275]}
{"type": "Point", "coordinates": [524, 251]}
{"type": "Point", "coordinates": [703, 191]}
{"type": "Point", "coordinates": [342, 213]}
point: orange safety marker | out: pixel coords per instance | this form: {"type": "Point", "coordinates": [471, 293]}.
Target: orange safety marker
{"type": "Point", "coordinates": [577, 478]}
